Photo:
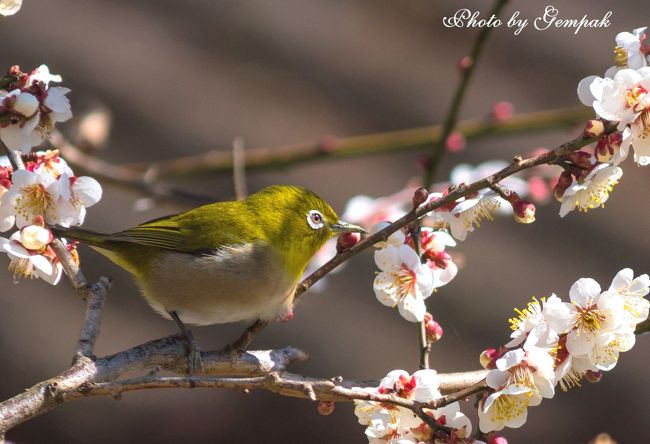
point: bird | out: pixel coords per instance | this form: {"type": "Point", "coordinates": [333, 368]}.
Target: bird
{"type": "Point", "coordinates": [226, 261]}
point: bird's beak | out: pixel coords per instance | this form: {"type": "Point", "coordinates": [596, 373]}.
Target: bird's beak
{"type": "Point", "coordinates": [344, 227]}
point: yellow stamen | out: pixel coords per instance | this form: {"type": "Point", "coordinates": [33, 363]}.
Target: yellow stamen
{"type": "Point", "coordinates": [620, 57]}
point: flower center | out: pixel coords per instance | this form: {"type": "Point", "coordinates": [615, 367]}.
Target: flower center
{"type": "Point", "coordinates": [21, 268]}
{"type": "Point", "coordinates": [590, 320]}
{"type": "Point", "coordinates": [643, 121]}
{"type": "Point", "coordinates": [596, 194]}
{"type": "Point", "coordinates": [633, 97]}
{"type": "Point", "coordinates": [506, 407]}
{"type": "Point", "coordinates": [533, 309]}
{"type": "Point", "coordinates": [34, 200]}
{"type": "Point", "coordinates": [405, 282]}
{"type": "Point", "coordinates": [522, 375]}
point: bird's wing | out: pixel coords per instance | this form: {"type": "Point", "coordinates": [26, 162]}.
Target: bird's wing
{"type": "Point", "coordinates": [164, 233]}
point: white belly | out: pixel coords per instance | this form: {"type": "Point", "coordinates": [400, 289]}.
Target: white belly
{"type": "Point", "coordinates": [236, 283]}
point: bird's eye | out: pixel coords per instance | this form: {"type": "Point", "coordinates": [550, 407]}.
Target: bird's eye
{"type": "Point", "coordinates": [315, 219]}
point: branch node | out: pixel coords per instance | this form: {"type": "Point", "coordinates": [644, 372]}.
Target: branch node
{"type": "Point", "coordinates": [309, 392]}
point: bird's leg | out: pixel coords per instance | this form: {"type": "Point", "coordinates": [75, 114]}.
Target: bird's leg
{"type": "Point", "coordinates": [243, 341]}
{"type": "Point", "coordinates": [193, 352]}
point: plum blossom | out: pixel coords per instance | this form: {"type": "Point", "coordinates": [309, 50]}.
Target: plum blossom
{"type": "Point", "coordinates": [30, 255]}
{"type": "Point", "coordinates": [31, 195]}
{"type": "Point", "coordinates": [33, 109]}
{"type": "Point", "coordinates": [432, 245]}
{"type": "Point", "coordinates": [468, 213]}
{"type": "Point", "coordinates": [522, 378]}
{"type": "Point", "coordinates": [624, 99]}
{"type": "Point", "coordinates": [403, 281]}
{"type": "Point", "coordinates": [387, 423]}
{"type": "Point", "coordinates": [592, 191]}
{"type": "Point", "coordinates": [10, 7]}
{"type": "Point", "coordinates": [600, 330]}
{"type": "Point", "coordinates": [633, 291]}
{"type": "Point", "coordinates": [540, 323]}
{"type": "Point", "coordinates": [629, 50]}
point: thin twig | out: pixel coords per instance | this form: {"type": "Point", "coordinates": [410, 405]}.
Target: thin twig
{"type": "Point", "coordinates": [92, 321]}
{"type": "Point", "coordinates": [239, 168]}
{"type": "Point", "coordinates": [452, 115]}
{"type": "Point", "coordinates": [336, 147]}
{"type": "Point", "coordinates": [14, 157]}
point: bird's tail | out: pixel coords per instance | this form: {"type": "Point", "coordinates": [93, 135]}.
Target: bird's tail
{"type": "Point", "coordinates": [79, 234]}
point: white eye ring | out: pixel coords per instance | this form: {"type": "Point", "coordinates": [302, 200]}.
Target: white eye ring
{"type": "Point", "coordinates": [315, 219]}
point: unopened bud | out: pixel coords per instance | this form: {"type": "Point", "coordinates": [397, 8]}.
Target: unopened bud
{"type": "Point", "coordinates": [563, 182]}
{"type": "Point", "coordinates": [581, 159]}
{"type": "Point", "coordinates": [607, 146]}
{"type": "Point", "coordinates": [434, 330]}
{"type": "Point", "coordinates": [594, 128]}
{"type": "Point", "coordinates": [488, 358]}
{"type": "Point", "coordinates": [347, 240]}
{"type": "Point", "coordinates": [498, 440]}
{"type": "Point", "coordinates": [502, 111]}
{"type": "Point", "coordinates": [35, 237]}
{"type": "Point", "coordinates": [524, 211]}
{"type": "Point", "coordinates": [593, 376]}
{"type": "Point", "coordinates": [465, 63]}
{"type": "Point", "coordinates": [325, 408]}
{"type": "Point", "coordinates": [419, 197]}
{"type": "Point", "coordinates": [455, 142]}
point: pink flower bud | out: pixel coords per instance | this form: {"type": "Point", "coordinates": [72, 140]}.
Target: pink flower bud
{"type": "Point", "coordinates": [423, 161]}
{"type": "Point", "coordinates": [594, 128]}
{"type": "Point", "coordinates": [502, 111]}
{"type": "Point", "coordinates": [433, 329]}
{"type": "Point", "coordinates": [593, 376]}
{"type": "Point", "coordinates": [489, 358]}
{"type": "Point", "coordinates": [325, 408]}
{"type": "Point", "coordinates": [498, 440]}
{"type": "Point", "coordinates": [455, 142]}
{"type": "Point", "coordinates": [347, 240]}
{"type": "Point", "coordinates": [419, 197]}
{"type": "Point", "coordinates": [465, 63]}
{"type": "Point", "coordinates": [328, 143]}
{"type": "Point", "coordinates": [539, 189]}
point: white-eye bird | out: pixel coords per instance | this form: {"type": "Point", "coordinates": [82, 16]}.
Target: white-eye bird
{"type": "Point", "coordinates": [226, 261]}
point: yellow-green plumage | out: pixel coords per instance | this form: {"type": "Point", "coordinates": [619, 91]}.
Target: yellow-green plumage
{"type": "Point", "coordinates": [226, 261]}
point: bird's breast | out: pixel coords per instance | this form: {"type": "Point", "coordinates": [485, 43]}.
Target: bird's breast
{"type": "Point", "coordinates": [232, 283]}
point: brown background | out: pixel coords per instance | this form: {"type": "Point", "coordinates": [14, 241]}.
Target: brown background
{"type": "Point", "coordinates": [186, 76]}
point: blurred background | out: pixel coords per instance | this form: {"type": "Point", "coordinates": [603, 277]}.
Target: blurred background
{"type": "Point", "coordinates": [185, 77]}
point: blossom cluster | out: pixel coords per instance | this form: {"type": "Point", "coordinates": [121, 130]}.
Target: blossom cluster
{"type": "Point", "coordinates": [621, 96]}
{"type": "Point", "coordinates": [393, 424]}
{"type": "Point", "coordinates": [46, 191]}
{"type": "Point", "coordinates": [29, 107]}
{"type": "Point", "coordinates": [555, 342]}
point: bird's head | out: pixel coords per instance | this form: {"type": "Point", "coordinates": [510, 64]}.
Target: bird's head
{"type": "Point", "coordinates": [297, 222]}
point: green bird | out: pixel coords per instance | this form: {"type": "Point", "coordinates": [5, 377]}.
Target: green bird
{"type": "Point", "coordinates": [226, 261]}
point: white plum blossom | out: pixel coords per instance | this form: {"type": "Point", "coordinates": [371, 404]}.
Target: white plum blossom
{"type": "Point", "coordinates": [10, 7]}
{"type": "Point", "coordinates": [468, 213]}
{"type": "Point", "coordinates": [34, 108]}
{"type": "Point", "coordinates": [432, 245]}
{"type": "Point", "coordinates": [628, 51]}
{"type": "Point", "coordinates": [32, 263]}
{"type": "Point", "coordinates": [73, 196]}
{"type": "Point", "coordinates": [391, 424]}
{"type": "Point", "coordinates": [522, 378]}
{"type": "Point", "coordinates": [30, 196]}
{"type": "Point", "coordinates": [600, 329]}
{"type": "Point", "coordinates": [633, 291]}
{"type": "Point", "coordinates": [403, 281]}
{"type": "Point", "coordinates": [540, 324]}
{"type": "Point", "coordinates": [592, 191]}
{"type": "Point", "coordinates": [624, 99]}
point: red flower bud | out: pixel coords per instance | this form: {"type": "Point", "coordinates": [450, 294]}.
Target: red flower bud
{"type": "Point", "coordinates": [419, 197]}
{"type": "Point", "coordinates": [434, 331]}
{"type": "Point", "coordinates": [593, 376]}
{"type": "Point", "coordinates": [465, 63]}
{"type": "Point", "coordinates": [325, 408]}
{"type": "Point", "coordinates": [581, 159]}
{"type": "Point", "coordinates": [498, 440]}
{"type": "Point", "coordinates": [564, 181]}
{"type": "Point", "coordinates": [489, 358]}
{"type": "Point", "coordinates": [502, 111]}
{"type": "Point", "coordinates": [455, 142]}
{"type": "Point", "coordinates": [347, 240]}
{"type": "Point", "coordinates": [594, 128]}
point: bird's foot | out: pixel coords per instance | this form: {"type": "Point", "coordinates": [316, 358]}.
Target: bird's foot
{"type": "Point", "coordinates": [193, 356]}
